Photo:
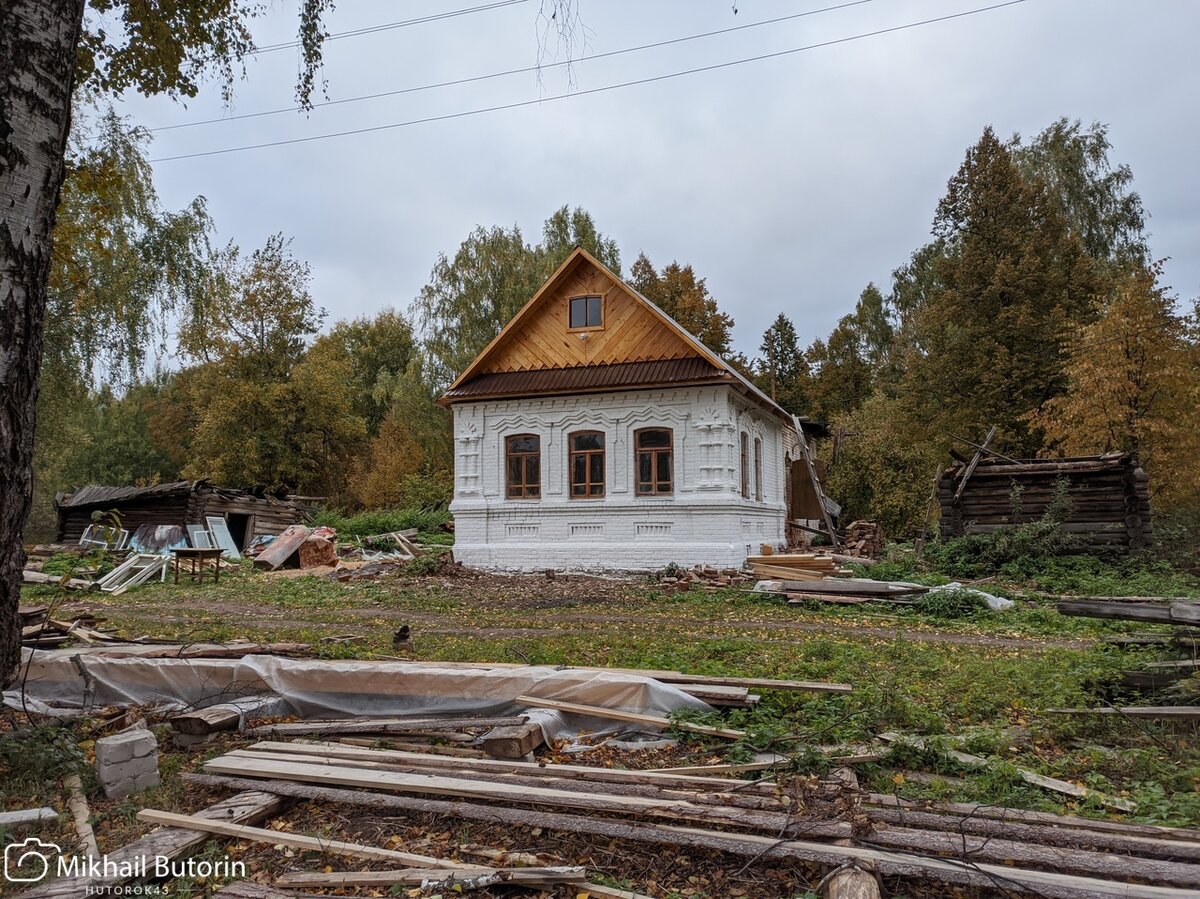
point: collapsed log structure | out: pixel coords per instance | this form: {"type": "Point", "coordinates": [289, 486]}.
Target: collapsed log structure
{"type": "Point", "coordinates": [1108, 498]}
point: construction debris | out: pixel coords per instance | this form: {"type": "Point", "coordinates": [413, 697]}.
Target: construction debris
{"type": "Point", "coordinates": [827, 823]}
{"type": "Point", "coordinates": [864, 539]}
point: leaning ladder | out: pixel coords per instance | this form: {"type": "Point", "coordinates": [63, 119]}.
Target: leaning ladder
{"type": "Point", "coordinates": [806, 452]}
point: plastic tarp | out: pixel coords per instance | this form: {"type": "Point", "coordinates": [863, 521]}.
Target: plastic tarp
{"type": "Point", "coordinates": [321, 688]}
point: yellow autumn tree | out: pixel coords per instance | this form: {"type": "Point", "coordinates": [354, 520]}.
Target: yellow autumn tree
{"type": "Point", "coordinates": [1134, 385]}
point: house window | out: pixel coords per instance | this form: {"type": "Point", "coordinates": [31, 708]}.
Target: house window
{"type": "Point", "coordinates": [758, 494]}
{"type": "Point", "coordinates": [745, 465]}
{"type": "Point", "coordinates": [523, 466]}
{"type": "Point", "coordinates": [587, 312]}
{"type": "Point", "coordinates": [586, 462]}
{"type": "Point", "coordinates": [653, 452]}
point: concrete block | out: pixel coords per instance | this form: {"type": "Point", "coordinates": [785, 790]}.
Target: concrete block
{"type": "Point", "coordinates": [128, 744]}
{"type": "Point", "coordinates": [107, 774]}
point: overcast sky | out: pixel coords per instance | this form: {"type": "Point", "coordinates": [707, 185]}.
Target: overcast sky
{"type": "Point", "coordinates": [788, 183]}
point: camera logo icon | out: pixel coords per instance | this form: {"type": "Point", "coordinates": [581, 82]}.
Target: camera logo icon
{"type": "Point", "coordinates": [29, 860]}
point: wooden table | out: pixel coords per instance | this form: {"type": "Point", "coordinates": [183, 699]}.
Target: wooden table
{"type": "Point", "coordinates": [197, 556]}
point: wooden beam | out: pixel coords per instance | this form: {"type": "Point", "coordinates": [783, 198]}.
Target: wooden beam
{"type": "Point", "coordinates": [252, 805]}
{"type": "Point", "coordinates": [536, 769]}
{"type": "Point", "coordinates": [962, 485]}
{"type": "Point", "coordinates": [382, 725]}
{"type": "Point", "coordinates": [292, 840]}
{"type": "Point", "coordinates": [655, 721]}
{"type": "Point", "coordinates": [434, 878]}
{"type": "Point", "coordinates": [893, 864]}
{"type": "Point", "coordinates": [1166, 712]}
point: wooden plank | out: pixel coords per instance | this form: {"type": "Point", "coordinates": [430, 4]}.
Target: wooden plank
{"type": "Point", "coordinates": [455, 880]}
{"type": "Point", "coordinates": [251, 805]}
{"type": "Point", "coordinates": [379, 776]}
{"type": "Point", "coordinates": [280, 838]}
{"type": "Point", "coordinates": [383, 725]}
{"type": "Point", "coordinates": [281, 548]}
{"type": "Point", "coordinates": [655, 721]}
{"type": "Point", "coordinates": [1166, 712]}
{"type": "Point", "coordinates": [584, 772]}
{"type": "Point", "coordinates": [973, 464]}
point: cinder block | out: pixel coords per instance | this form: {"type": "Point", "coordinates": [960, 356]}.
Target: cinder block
{"type": "Point", "coordinates": [146, 781]}
{"type": "Point", "coordinates": [129, 744]}
{"type": "Point", "coordinates": [110, 773]}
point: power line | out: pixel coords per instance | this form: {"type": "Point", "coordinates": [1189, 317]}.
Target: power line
{"type": "Point", "coordinates": [388, 26]}
{"type": "Point", "coordinates": [526, 69]}
{"type": "Point", "coordinates": [595, 90]}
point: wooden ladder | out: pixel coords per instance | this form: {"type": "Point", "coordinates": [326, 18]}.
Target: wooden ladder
{"type": "Point", "coordinates": [806, 452]}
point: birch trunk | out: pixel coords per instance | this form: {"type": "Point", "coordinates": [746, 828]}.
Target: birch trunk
{"type": "Point", "coordinates": [38, 39]}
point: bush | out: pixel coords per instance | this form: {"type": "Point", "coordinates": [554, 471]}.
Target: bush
{"type": "Point", "coordinates": [949, 604]}
{"type": "Point", "coordinates": [383, 521]}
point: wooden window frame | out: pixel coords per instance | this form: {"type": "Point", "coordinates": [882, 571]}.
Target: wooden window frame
{"type": "Point", "coordinates": [652, 488]}
{"type": "Point", "coordinates": [587, 468]}
{"type": "Point", "coordinates": [524, 455]}
{"type": "Point", "coordinates": [585, 297]}
{"type": "Point", "coordinates": [745, 441]}
{"type": "Point", "coordinates": [758, 470]}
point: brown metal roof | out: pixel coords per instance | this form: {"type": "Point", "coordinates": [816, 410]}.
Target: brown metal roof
{"type": "Point", "coordinates": [616, 376]}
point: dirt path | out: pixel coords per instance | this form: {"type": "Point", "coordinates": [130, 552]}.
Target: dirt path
{"type": "Point", "coordinates": [548, 624]}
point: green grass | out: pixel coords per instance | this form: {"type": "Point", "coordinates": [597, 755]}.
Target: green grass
{"type": "Point", "coordinates": [965, 672]}
{"type": "Point", "coordinates": [385, 521]}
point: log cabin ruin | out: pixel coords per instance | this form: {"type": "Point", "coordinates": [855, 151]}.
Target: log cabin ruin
{"type": "Point", "coordinates": [1107, 498]}
{"type": "Point", "coordinates": [248, 512]}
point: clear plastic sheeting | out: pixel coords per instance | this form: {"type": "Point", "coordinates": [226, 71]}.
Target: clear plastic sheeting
{"type": "Point", "coordinates": [322, 688]}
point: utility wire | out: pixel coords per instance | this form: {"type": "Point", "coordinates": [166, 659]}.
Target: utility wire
{"type": "Point", "coordinates": [388, 26]}
{"type": "Point", "coordinates": [595, 90]}
{"type": "Point", "coordinates": [567, 62]}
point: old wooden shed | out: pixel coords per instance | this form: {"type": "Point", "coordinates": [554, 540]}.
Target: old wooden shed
{"type": "Point", "coordinates": [1108, 498]}
{"type": "Point", "coordinates": [247, 512]}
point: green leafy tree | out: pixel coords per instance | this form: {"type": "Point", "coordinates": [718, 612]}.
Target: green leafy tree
{"type": "Point", "coordinates": [782, 369]}
{"type": "Point", "coordinates": [379, 349]}
{"type": "Point", "coordinates": [267, 408]}
{"type": "Point", "coordinates": [1091, 194]}
{"type": "Point", "coordinates": [494, 272]}
{"type": "Point", "coordinates": [678, 292]}
{"type": "Point", "coordinates": [989, 344]}
{"type": "Point", "coordinates": [47, 50]}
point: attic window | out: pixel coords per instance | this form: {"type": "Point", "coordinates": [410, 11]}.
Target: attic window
{"type": "Point", "coordinates": [587, 312]}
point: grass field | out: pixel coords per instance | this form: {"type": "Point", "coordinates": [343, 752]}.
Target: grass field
{"type": "Point", "coordinates": [978, 682]}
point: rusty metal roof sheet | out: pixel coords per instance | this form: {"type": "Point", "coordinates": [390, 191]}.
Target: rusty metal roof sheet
{"type": "Point", "coordinates": [585, 378]}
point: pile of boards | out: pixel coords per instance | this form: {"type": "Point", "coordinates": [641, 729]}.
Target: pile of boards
{"type": "Point", "coordinates": [40, 631]}
{"type": "Point", "coordinates": [1183, 614]}
{"type": "Point", "coordinates": [796, 566]}
{"type": "Point", "coordinates": [844, 591]}
{"type": "Point", "coordinates": [821, 824]}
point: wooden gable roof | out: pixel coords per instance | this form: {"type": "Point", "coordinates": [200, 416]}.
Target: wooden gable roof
{"type": "Point", "coordinates": [638, 344]}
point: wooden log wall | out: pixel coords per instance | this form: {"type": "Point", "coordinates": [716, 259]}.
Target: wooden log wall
{"type": "Point", "coordinates": [1110, 499]}
{"type": "Point", "coordinates": [270, 515]}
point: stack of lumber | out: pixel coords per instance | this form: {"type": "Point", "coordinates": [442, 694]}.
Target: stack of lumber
{"type": "Point", "coordinates": [710, 576]}
{"type": "Point", "coordinates": [1183, 612]}
{"type": "Point", "coordinates": [41, 579]}
{"type": "Point", "coordinates": [1109, 497]}
{"type": "Point", "coordinates": [821, 824]}
{"type": "Point", "coordinates": [864, 539]}
{"type": "Point", "coordinates": [39, 630]}
{"type": "Point", "coordinates": [796, 566]}
{"type": "Point", "coordinates": [843, 591]}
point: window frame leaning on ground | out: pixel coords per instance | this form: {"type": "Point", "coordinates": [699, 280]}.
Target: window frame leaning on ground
{"type": "Point", "coordinates": [656, 485]}
{"type": "Point", "coordinates": [527, 490]}
{"type": "Point", "coordinates": [588, 454]}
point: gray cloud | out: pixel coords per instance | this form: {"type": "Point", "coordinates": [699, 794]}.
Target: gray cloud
{"type": "Point", "coordinates": [788, 183]}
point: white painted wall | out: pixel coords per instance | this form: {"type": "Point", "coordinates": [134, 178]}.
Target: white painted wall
{"type": "Point", "coordinates": [705, 521]}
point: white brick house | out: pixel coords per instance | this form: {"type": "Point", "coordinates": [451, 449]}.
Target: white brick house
{"type": "Point", "coordinates": [594, 433]}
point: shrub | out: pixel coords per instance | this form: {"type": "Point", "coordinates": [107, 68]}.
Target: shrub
{"type": "Point", "coordinates": [383, 521]}
{"type": "Point", "coordinates": [954, 603]}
